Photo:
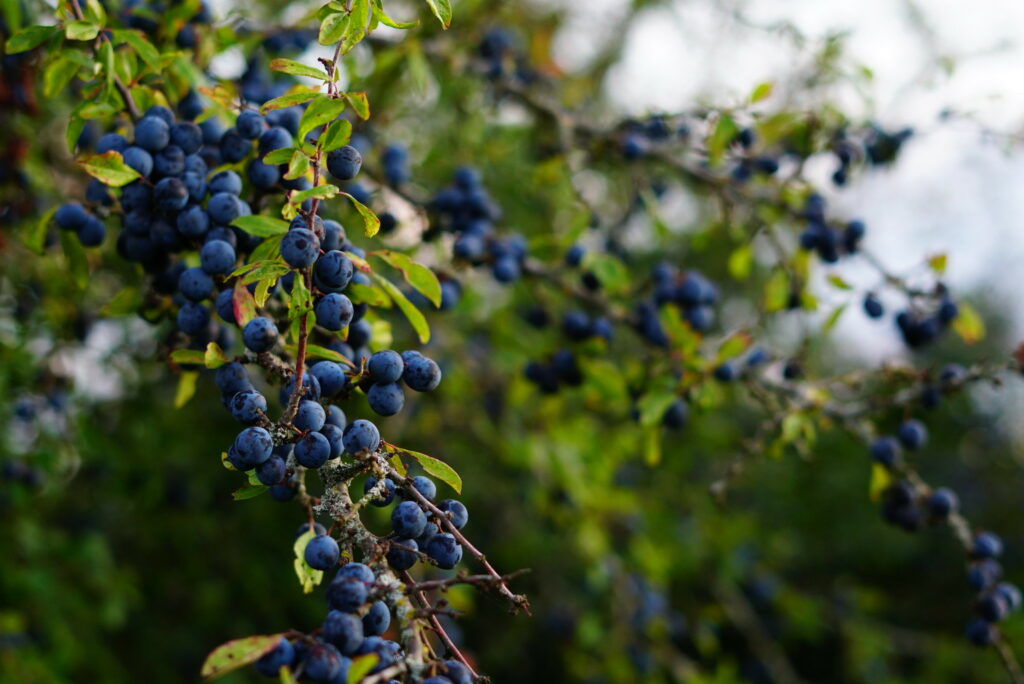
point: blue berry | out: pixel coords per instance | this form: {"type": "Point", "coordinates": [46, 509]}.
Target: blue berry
{"type": "Point", "coordinates": [421, 374]}
{"type": "Point", "coordinates": [362, 435]}
{"type": "Point", "coordinates": [335, 438]}
{"type": "Point", "coordinates": [196, 284]}
{"type": "Point", "coordinates": [344, 630]}
{"type": "Point", "coordinates": [425, 486]}
{"type": "Point", "coordinates": [274, 138]}
{"type": "Point", "coordinates": [170, 161]}
{"type": "Point", "coordinates": [346, 593]}
{"type": "Point", "coordinates": [386, 400]}
{"type": "Point", "coordinates": [271, 663]}
{"type": "Point", "coordinates": [385, 366]}
{"type": "Point", "coordinates": [445, 550]}
{"type": "Point", "coordinates": [217, 256]}
{"type": "Point", "coordinates": [232, 378]}
{"type": "Point", "coordinates": [170, 194]}
{"type": "Point", "coordinates": [152, 133]}
{"type": "Point", "coordinates": [332, 379]}
{"type": "Point", "coordinates": [873, 306]}
{"type": "Point", "coordinates": [913, 434]}
{"type": "Point", "coordinates": [111, 142]}
{"type": "Point", "coordinates": [980, 633]}
{"type": "Point", "coordinates": [225, 181]}
{"type": "Point", "coordinates": [322, 553]}
{"type": "Point", "coordinates": [260, 335]}
{"type": "Point", "coordinates": [987, 545]}
{"type": "Point", "coordinates": [139, 159]}
{"type": "Point", "coordinates": [300, 248]}
{"type": "Point", "coordinates": [248, 407]}
{"type": "Point", "coordinates": [885, 450]}
{"type": "Point", "coordinates": [943, 502]}
{"type": "Point", "coordinates": [71, 216]}
{"type": "Point", "coordinates": [310, 416]}
{"type": "Point", "coordinates": [456, 511]}
{"type": "Point", "coordinates": [408, 520]}
{"type": "Point", "coordinates": [313, 450]}
{"type": "Point", "coordinates": [263, 176]}
{"type": "Point", "coordinates": [223, 208]}
{"type": "Point", "coordinates": [225, 306]}
{"type": "Point", "coordinates": [233, 147]}
{"type": "Point", "coordinates": [322, 663]}
{"type": "Point", "coordinates": [335, 416]}
{"type": "Point", "coordinates": [193, 222]}
{"type": "Point", "coordinates": [402, 558]}
{"type": "Point", "coordinates": [984, 574]}
{"type": "Point", "coordinates": [334, 311]}
{"type": "Point", "coordinates": [333, 271]}
{"type": "Point", "coordinates": [272, 471]}
{"type": "Point", "coordinates": [187, 136]}
{"type": "Point", "coordinates": [249, 124]}
{"type": "Point", "coordinates": [344, 163]}
{"type": "Point", "coordinates": [377, 619]}
{"type": "Point", "coordinates": [193, 318]}
{"type": "Point", "coordinates": [253, 446]}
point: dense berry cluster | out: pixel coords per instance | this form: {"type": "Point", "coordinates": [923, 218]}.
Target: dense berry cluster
{"type": "Point", "coordinates": [876, 146]}
{"type": "Point", "coordinates": [828, 241]}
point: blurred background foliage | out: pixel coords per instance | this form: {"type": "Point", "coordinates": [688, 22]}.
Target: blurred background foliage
{"type": "Point", "coordinates": [123, 557]}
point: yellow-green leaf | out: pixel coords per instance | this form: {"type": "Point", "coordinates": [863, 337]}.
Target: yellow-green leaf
{"type": "Point", "coordinates": [359, 103]}
{"type": "Point", "coordinates": [968, 323]}
{"type": "Point", "coordinates": [186, 387]}
{"type": "Point", "coordinates": [308, 577]}
{"type": "Point", "coordinates": [188, 356]}
{"type": "Point", "coordinates": [419, 276]}
{"type": "Point", "coordinates": [442, 9]}
{"type": "Point", "coordinates": [214, 356]}
{"type": "Point", "coordinates": [320, 111]}
{"type": "Point", "coordinates": [361, 666]}
{"type": "Point", "coordinates": [437, 468]}
{"type": "Point", "coordinates": [371, 224]}
{"type": "Point", "coordinates": [337, 135]}
{"type": "Point", "coordinates": [414, 316]}
{"type": "Point", "coordinates": [238, 653]}
{"type": "Point", "coordinates": [110, 168]}
{"type": "Point", "coordinates": [81, 29]}
{"type": "Point", "coordinates": [261, 226]}
{"type": "Point", "coordinates": [149, 54]}
{"type": "Point", "coordinates": [28, 38]}
{"type": "Point", "coordinates": [289, 100]}
{"type": "Point", "coordinates": [294, 68]}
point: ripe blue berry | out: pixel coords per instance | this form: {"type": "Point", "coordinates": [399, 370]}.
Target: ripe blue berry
{"type": "Point", "coordinates": [217, 256]}
{"type": "Point", "coordinates": [322, 553]}
{"type": "Point", "coordinates": [272, 472]}
{"type": "Point", "coordinates": [300, 248]}
{"type": "Point", "coordinates": [456, 511]}
{"type": "Point", "coordinates": [332, 379]}
{"type": "Point", "coordinates": [346, 593]}
{"type": "Point", "coordinates": [344, 163]}
{"type": "Point", "coordinates": [386, 400]}
{"type": "Point", "coordinates": [152, 133]}
{"type": "Point", "coordinates": [249, 124]}
{"type": "Point", "coordinates": [248, 407]}
{"type": "Point", "coordinates": [193, 318]}
{"type": "Point", "coordinates": [913, 434]}
{"type": "Point", "coordinates": [987, 545]}
{"type": "Point", "coordinates": [344, 630]}
{"type": "Point", "coordinates": [334, 311]}
{"type": "Point", "coordinates": [260, 335]}
{"type": "Point", "coordinates": [421, 374]}
{"type": "Point", "coordinates": [405, 557]}
{"type": "Point", "coordinates": [309, 416]}
{"type": "Point", "coordinates": [408, 520]}
{"type": "Point", "coordinates": [385, 366]}
{"type": "Point", "coordinates": [943, 502]}
{"type": "Point", "coordinates": [170, 194]}
{"type": "Point", "coordinates": [253, 446]}
{"type": "Point", "coordinates": [271, 663]}
{"type": "Point", "coordinates": [885, 450]}
{"type": "Point", "coordinates": [362, 435]}
{"type": "Point", "coordinates": [232, 378]}
{"type": "Point", "coordinates": [323, 662]}
{"type": "Point", "coordinates": [313, 450]}
{"type": "Point", "coordinates": [445, 550]}
{"type": "Point", "coordinates": [333, 271]}
{"type": "Point", "coordinates": [335, 437]}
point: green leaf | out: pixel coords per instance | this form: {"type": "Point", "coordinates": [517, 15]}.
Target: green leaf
{"type": "Point", "coordinates": [371, 224]}
{"type": "Point", "coordinates": [58, 74]}
{"type": "Point", "coordinates": [332, 28]}
{"type": "Point", "coordinates": [652, 446]}
{"type": "Point", "coordinates": [355, 31]}
{"type": "Point", "coordinates": [188, 357]}
{"type": "Point", "coordinates": [81, 29]}
{"type": "Point", "coordinates": [29, 37]}
{"type": "Point", "coordinates": [361, 666]}
{"type": "Point", "coordinates": [320, 111]}
{"type": "Point", "coordinates": [437, 468]}
{"type": "Point", "coordinates": [419, 276]}
{"type": "Point", "coordinates": [415, 317]}
{"type": "Point", "coordinates": [612, 273]}
{"type": "Point", "coordinates": [248, 491]}
{"type": "Point", "coordinates": [762, 91]}
{"type": "Point", "coordinates": [317, 352]}
{"type": "Point", "coordinates": [968, 324]}
{"type": "Point", "coordinates": [298, 165]}
{"type": "Point", "coordinates": [258, 270]}
{"type": "Point", "coordinates": [838, 282]}
{"type": "Point", "coordinates": [723, 134]}
{"type": "Point", "coordinates": [359, 103]}
{"type": "Point", "coordinates": [734, 345]}
{"type": "Point", "coordinates": [214, 356]}
{"type": "Point", "coordinates": [238, 653]}
{"type": "Point", "coordinates": [186, 387]}
{"type": "Point", "coordinates": [75, 125]}
{"type": "Point", "coordinates": [308, 577]}
{"type": "Point", "coordinates": [35, 236]}
{"type": "Point", "coordinates": [880, 481]}
{"type": "Point", "coordinates": [740, 261]}
{"type": "Point", "coordinates": [281, 155]}
{"type": "Point", "coordinates": [261, 226]}
{"type": "Point", "coordinates": [337, 135]}
{"type": "Point", "coordinates": [938, 263]}
{"type": "Point", "coordinates": [833, 318]}
{"type": "Point", "coordinates": [652, 406]}
{"type": "Point", "coordinates": [371, 295]}
{"type": "Point", "coordinates": [442, 9]}
{"type": "Point", "coordinates": [243, 303]}
{"type": "Point", "coordinates": [289, 100]}
{"type": "Point", "coordinates": [322, 192]}
{"type": "Point", "coordinates": [126, 301]}
{"type": "Point", "coordinates": [268, 249]}
{"type": "Point", "coordinates": [294, 68]}
{"type": "Point", "coordinates": [287, 677]}
{"type": "Point", "coordinates": [379, 15]}
{"type": "Point", "coordinates": [776, 291]}
{"type": "Point", "coordinates": [110, 168]}
{"type": "Point", "coordinates": [78, 266]}
{"type": "Point", "coordinates": [138, 42]}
